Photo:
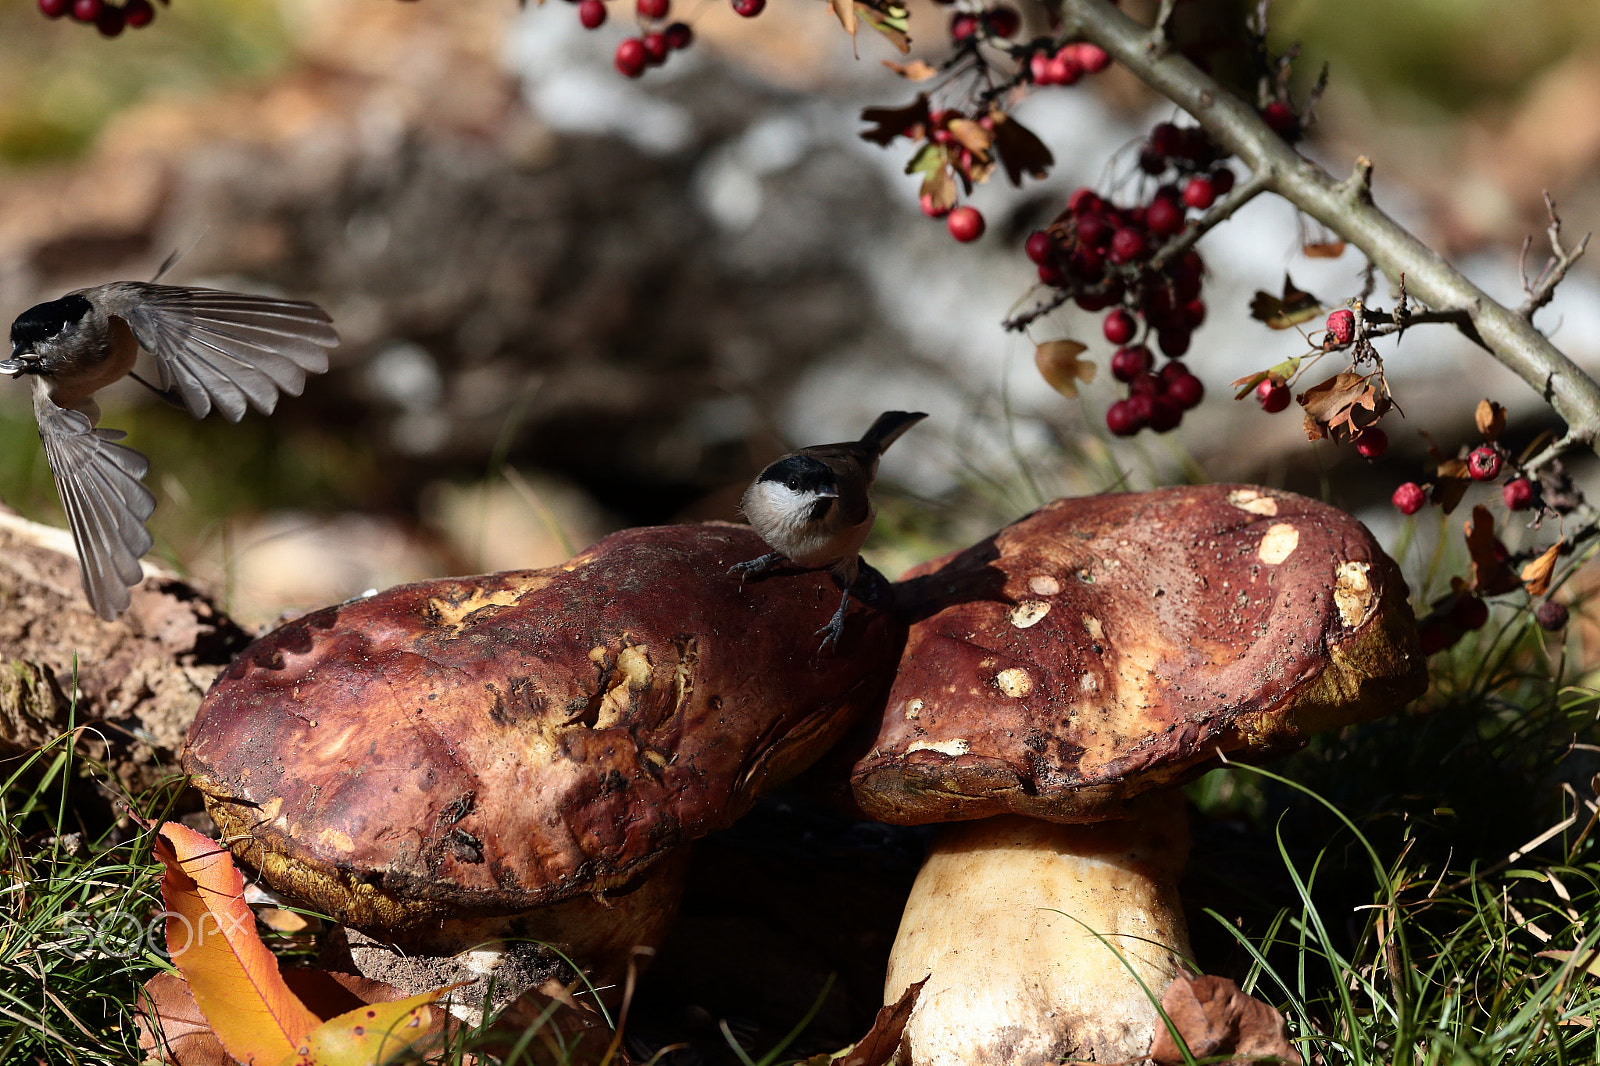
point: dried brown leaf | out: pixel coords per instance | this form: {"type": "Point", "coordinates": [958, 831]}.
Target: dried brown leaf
{"type": "Point", "coordinates": [891, 122]}
{"type": "Point", "coordinates": [1536, 575]}
{"type": "Point", "coordinates": [1490, 574]}
{"type": "Point", "coordinates": [1448, 491]}
{"type": "Point", "coordinates": [171, 1027]}
{"type": "Point", "coordinates": [916, 70]}
{"type": "Point", "coordinates": [1060, 366]}
{"type": "Point", "coordinates": [1215, 1018]}
{"type": "Point", "coordinates": [846, 10]}
{"type": "Point", "coordinates": [1323, 249]}
{"type": "Point", "coordinates": [1286, 311]}
{"type": "Point", "coordinates": [1021, 152]}
{"type": "Point", "coordinates": [1491, 419]}
{"type": "Point", "coordinates": [939, 188]}
{"type": "Point", "coordinates": [883, 1039]}
{"type": "Point", "coordinates": [971, 136]}
{"type": "Point", "coordinates": [1342, 407]}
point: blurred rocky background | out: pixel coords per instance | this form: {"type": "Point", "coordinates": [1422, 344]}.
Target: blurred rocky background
{"type": "Point", "coordinates": [572, 302]}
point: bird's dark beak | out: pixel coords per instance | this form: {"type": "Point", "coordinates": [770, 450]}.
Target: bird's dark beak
{"type": "Point", "coordinates": [825, 492]}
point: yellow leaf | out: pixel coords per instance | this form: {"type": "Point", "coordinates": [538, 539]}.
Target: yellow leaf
{"type": "Point", "coordinates": [1536, 575]}
{"type": "Point", "coordinates": [368, 1036]}
{"type": "Point", "coordinates": [1060, 366]}
{"type": "Point", "coordinates": [211, 937]}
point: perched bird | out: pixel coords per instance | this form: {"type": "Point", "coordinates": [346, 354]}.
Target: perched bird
{"type": "Point", "coordinates": [211, 348]}
{"type": "Point", "coordinates": [814, 508]}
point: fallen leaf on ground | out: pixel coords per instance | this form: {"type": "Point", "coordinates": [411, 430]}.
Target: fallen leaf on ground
{"type": "Point", "coordinates": [1215, 1018]}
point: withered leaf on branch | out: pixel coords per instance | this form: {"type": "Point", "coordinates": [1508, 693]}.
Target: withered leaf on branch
{"type": "Point", "coordinates": [1342, 407]}
{"type": "Point", "coordinates": [1286, 311]}
{"type": "Point", "coordinates": [916, 70]}
{"type": "Point", "coordinates": [1216, 1018]}
{"type": "Point", "coordinates": [971, 136]}
{"type": "Point", "coordinates": [939, 190]}
{"type": "Point", "coordinates": [1020, 151]}
{"type": "Point", "coordinates": [1490, 574]}
{"type": "Point", "coordinates": [846, 11]}
{"type": "Point", "coordinates": [892, 122]}
{"type": "Point", "coordinates": [1491, 419]}
{"type": "Point", "coordinates": [891, 20]}
{"type": "Point", "coordinates": [1536, 574]}
{"type": "Point", "coordinates": [1323, 249]}
{"type": "Point", "coordinates": [1060, 366]}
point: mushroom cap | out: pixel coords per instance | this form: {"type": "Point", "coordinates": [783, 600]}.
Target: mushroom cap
{"type": "Point", "coordinates": [494, 744]}
{"type": "Point", "coordinates": [1107, 645]}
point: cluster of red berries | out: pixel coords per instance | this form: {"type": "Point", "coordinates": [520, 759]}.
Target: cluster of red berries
{"type": "Point", "coordinates": [107, 17]}
{"type": "Point", "coordinates": [1000, 21]}
{"type": "Point", "coordinates": [1052, 64]}
{"type": "Point", "coordinates": [634, 55]}
{"type": "Point", "coordinates": [1484, 463]}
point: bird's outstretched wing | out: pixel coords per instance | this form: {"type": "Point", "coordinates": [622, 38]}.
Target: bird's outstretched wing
{"type": "Point", "coordinates": [105, 502]}
{"type": "Point", "coordinates": [227, 349]}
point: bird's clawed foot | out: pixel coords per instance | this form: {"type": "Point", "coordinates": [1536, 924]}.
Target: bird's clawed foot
{"type": "Point", "coordinates": [756, 567]}
{"type": "Point", "coordinates": [831, 632]}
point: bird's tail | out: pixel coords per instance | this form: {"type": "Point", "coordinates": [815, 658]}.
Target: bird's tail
{"type": "Point", "coordinates": [887, 429]}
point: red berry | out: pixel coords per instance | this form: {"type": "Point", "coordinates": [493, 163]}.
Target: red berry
{"type": "Point", "coordinates": [965, 224]}
{"type": "Point", "coordinates": [1121, 420]}
{"type": "Point", "coordinates": [1091, 57]}
{"type": "Point", "coordinates": [1127, 244]}
{"type": "Point", "coordinates": [1469, 612]}
{"type": "Point", "coordinates": [1341, 328]}
{"type": "Point", "coordinates": [1435, 637]}
{"type": "Point", "coordinates": [1165, 139]}
{"type": "Point", "coordinates": [592, 13]}
{"type": "Point", "coordinates": [1129, 362]}
{"type": "Point", "coordinates": [1372, 443]}
{"type": "Point", "coordinates": [1087, 263]}
{"type": "Point", "coordinates": [1199, 193]}
{"type": "Point", "coordinates": [1165, 414]}
{"type": "Point", "coordinates": [655, 46]}
{"type": "Point", "coordinates": [1163, 216]}
{"type": "Point", "coordinates": [1039, 68]}
{"type": "Point", "coordinates": [111, 20]}
{"type": "Point", "coordinates": [1142, 405]}
{"type": "Point", "coordinates": [1193, 313]}
{"type": "Point", "coordinates": [1222, 180]}
{"type": "Point", "coordinates": [1280, 117]}
{"type": "Point", "coordinates": [1119, 327]}
{"type": "Point", "coordinates": [1551, 615]}
{"type": "Point", "coordinates": [86, 10]}
{"type": "Point", "coordinates": [963, 27]}
{"type": "Point", "coordinates": [749, 8]}
{"type": "Point", "coordinates": [1094, 231]}
{"type": "Point", "coordinates": [1273, 396]}
{"type": "Point", "coordinates": [1483, 463]}
{"type": "Point", "coordinates": [1518, 494]}
{"type": "Point", "coordinates": [679, 36]}
{"type": "Point", "coordinates": [652, 9]}
{"type": "Point", "coordinates": [1151, 161]}
{"type": "Point", "coordinates": [54, 9]}
{"type": "Point", "coordinates": [1409, 498]}
{"type": "Point", "coordinates": [1183, 387]}
{"type": "Point", "coordinates": [1084, 201]}
{"type": "Point", "coordinates": [1146, 383]}
{"type": "Point", "coordinates": [138, 13]}
{"type": "Point", "coordinates": [1049, 275]}
{"type": "Point", "coordinates": [630, 57]}
{"type": "Point", "coordinates": [1039, 246]}
{"type": "Point", "coordinates": [931, 208]}
{"type": "Point", "coordinates": [1063, 70]}
{"type": "Point", "coordinates": [1003, 21]}
{"type": "Point", "coordinates": [1174, 343]}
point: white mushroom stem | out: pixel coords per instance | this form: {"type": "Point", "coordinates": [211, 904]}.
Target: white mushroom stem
{"type": "Point", "coordinates": [1003, 918]}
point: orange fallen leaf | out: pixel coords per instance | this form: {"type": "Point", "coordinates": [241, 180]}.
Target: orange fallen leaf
{"type": "Point", "coordinates": [212, 939]}
{"type": "Point", "coordinates": [1536, 575]}
{"type": "Point", "coordinates": [1215, 1018]}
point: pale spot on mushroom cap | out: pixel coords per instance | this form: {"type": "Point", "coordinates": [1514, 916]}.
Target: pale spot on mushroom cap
{"type": "Point", "coordinates": [913, 707]}
{"type": "Point", "coordinates": [1252, 501]}
{"type": "Point", "coordinates": [1089, 683]}
{"type": "Point", "coordinates": [1279, 543]}
{"type": "Point", "coordinates": [1014, 682]}
{"type": "Point", "coordinates": [1044, 585]}
{"type": "Point", "coordinates": [455, 615]}
{"type": "Point", "coordinates": [1092, 625]}
{"type": "Point", "coordinates": [1028, 612]}
{"type": "Point", "coordinates": [943, 747]}
{"type": "Point", "coordinates": [1352, 592]}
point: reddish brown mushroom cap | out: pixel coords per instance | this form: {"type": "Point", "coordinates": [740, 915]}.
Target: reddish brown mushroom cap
{"type": "Point", "coordinates": [1107, 645]}
{"type": "Point", "coordinates": [504, 742]}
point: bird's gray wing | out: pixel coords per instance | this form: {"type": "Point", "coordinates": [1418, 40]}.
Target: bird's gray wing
{"type": "Point", "coordinates": [227, 349]}
{"type": "Point", "coordinates": [105, 502]}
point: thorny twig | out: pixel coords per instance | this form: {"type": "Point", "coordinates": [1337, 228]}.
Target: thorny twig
{"type": "Point", "coordinates": [1543, 287]}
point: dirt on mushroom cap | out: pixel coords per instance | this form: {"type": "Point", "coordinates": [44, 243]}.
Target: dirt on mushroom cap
{"type": "Point", "coordinates": [503, 742]}
{"type": "Point", "coordinates": [1110, 644]}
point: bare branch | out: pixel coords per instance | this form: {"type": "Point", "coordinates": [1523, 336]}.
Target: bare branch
{"type": "Point", "coordinates": [1022, 320]}
{"type": "Point", "coordinates": [1542, 288]}
{"type": "Point", "coordinates": [1509, 336]}
{"type": "Point", "coordinates": [1215, 215]}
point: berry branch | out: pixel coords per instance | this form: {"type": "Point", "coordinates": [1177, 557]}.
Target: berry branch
{"type": "Point", "coordinates": [1346, 207]}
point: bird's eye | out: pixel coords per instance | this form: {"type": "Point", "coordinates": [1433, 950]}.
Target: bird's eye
{"type": "Point", "coordinates": [794, 484]}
